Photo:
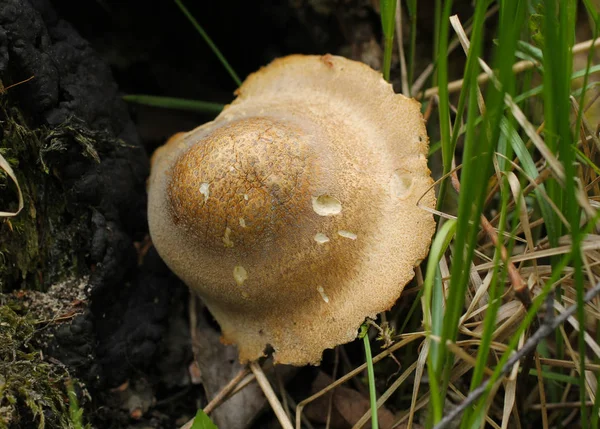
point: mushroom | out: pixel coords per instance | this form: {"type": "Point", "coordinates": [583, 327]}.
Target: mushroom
{"type": "Point", "coordinates": [294, 213]}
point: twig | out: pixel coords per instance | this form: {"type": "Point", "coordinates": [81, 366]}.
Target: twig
{"type": "Point", "coordinates": [264, 384]}
{"type": "Point", "coordinates": [530, 345]}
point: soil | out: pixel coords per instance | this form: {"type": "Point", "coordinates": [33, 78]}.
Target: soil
{"type": "Point", "coordinates": [76, 265]}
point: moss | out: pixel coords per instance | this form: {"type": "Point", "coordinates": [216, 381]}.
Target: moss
{"type": "Point", "coordinates": [30, 388]}
{"type": "Point", "coordinates": [47, 240]}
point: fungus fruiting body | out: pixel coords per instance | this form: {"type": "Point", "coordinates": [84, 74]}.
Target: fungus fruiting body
{"type": "Point", "coordinates": [294, 213]}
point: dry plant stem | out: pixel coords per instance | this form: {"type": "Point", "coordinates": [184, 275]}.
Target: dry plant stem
{"type": "Point", "coordinates": [519, 286]}
{"type": "Point", "coordinates": [403, 69]}
{"type": "Point", "coordinates": [433, 101]}
{"type": "Point", "coordinates": [585, 126]}
{"type": "Point", "coordinates": [5, 166]}
{"type": "Point", "coordinates": [355, 372]}
{"type": "Point", "coordinates": [420, 81]}
{"type": "Point", "coordinates": [560, 250]}
{"type": "Point", "coordinates": [226, 390]}
{"type": "Point", "coordinates": [545, 329]}
{"type": "Point", "coordinates": [567, 364]}
{"type": "Point", "coordinates": [336, 363]}
{"type": "Point", "coordinates": [282, 393]}
{"type": "Point", "coordinates": [245, 382]}
{"type": "Point", "coordinates": [567, 421]}
{"type": "Point", "coordinates": [421, 363]}
{"type": "Point", "coordinates": [293, 405]}
{"type": "Point", "coordinates": [383, 398]}
{"type": "Point", "coordinates": [347, 365]}
{"type": "Point", "coordinates": [544, 408]}
{"type": "Point", "coordinates": [518, 67]}
{"type": "Point", "coordinates": [560, 405]}
{"type": "Point", "coordinates": [456, 395]}
{"type": "Point", "coordinates": [264, 384]}
{"type": "Point", "coordinates": [221, 396]}
{"type": "Point", "coordinates": [3, 89]}
{"type": "Point", "coordinates": [517, 282]}
{"type": "Point", "coordinates": [193, 315]}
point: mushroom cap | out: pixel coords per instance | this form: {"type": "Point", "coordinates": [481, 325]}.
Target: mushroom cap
{"type": "Point", "coordinates": [294, 213]}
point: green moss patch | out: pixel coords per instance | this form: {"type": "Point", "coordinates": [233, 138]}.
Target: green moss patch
{"type": "Point", "coordinates": [30, 388]}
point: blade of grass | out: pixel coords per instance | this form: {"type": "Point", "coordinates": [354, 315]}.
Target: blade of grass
{"type": "Point", "coordinates": [371, 374]}
{"type": "Point", "coordinates": [494, 301]}
{"type": "Point", "coordinates": [411, 6]}
{"type": "Point", "coordinates": [432, 287]}
{"type": "Point", "coordinates": [433, 320]}
{"type": "Point", "coordinates": [538, 301]}
{"type": "Point", "coordinates": [476, 155]}
{"type": "Point", "coordinates": [559, 28]}
{"type": "Point", "coordinates": [175, 103]}
{"type": "Point", "coordinates": [530, 169]}
{"type": "Point", "coordinates": [442, 18]}
{"type": "Point", "coordinates": [596, 407]}
{"type": "Point", "coordinates": [512, 345]}
{"type": "Point", "coordinates": [209, 42]}
{"type": "Point", "coordinates": [388, 13]}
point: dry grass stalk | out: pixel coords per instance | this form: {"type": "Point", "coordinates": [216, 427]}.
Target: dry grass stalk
{"type": "Point", "coordinates": [264, 384]}
{"type": "Point", "coordinates": [407, 339]}
{"type": "Point", "coordinates": [518, 67]}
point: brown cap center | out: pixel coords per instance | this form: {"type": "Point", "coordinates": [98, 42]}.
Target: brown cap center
{"type": "Point", "coordinates": [241, 184]}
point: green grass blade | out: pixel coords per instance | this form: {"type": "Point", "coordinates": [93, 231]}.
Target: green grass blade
{"type": "Point", "coordinates": [388, 15]}
{"type": "Point", "coordinates": [553, 376]}
{"type": "Point", "coordinates": [474, 179]}
{"type": "Point", "coordinates": [432, 305]}
{"type": "Point", "coordinates": [559, 28]}
{"type": "Point", "coordinates": [539, 89]}
{"type": "Point", "coordinates": [536, 304]}
{"type": "Point", "coordinates": [175, 103]}
{"type": "Point", "coordinates": [432, 287]}
{"type": "Point", "coordinates": [442, 17]}
{"type": "Point", "coordinates": [411, 5]}
{"type": "Point", "coordinates": [530, 169]}
{"type": "Point", "coordinates": [371, 375]}
{"type": "Point", "coordinates": [596, 406]}
{"type": "Point", "coordinates": [209, 42]}
{"type": "Point", "coordinates": [480, 144]}
{"type": "Point", "coordinates": [494, 302]}
{"type": "Point", "coordinates": [538, 301]}
{"type": "Point", "coordinates": [533, 53]}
